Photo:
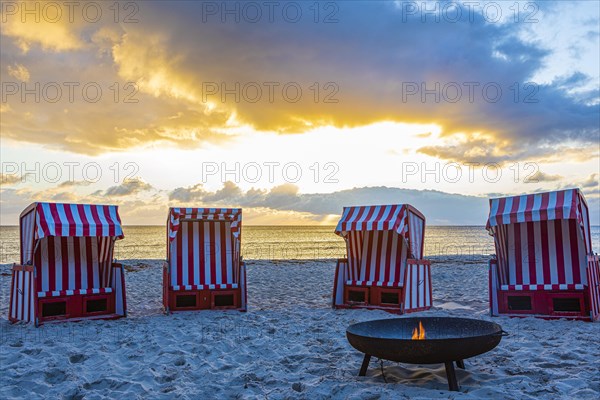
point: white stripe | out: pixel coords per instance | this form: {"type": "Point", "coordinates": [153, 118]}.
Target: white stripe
{"type": "Point", "coordinates": [568, 268]}
{"type": "Point", "coordinates": [568, 200]}
{"type": "Point", "coordinates": [218, 250]}
{"type": "Point", "coordinates": [77, 219]}
{"type": "Point", "coordinates": [552, 205]}
{"type": "Point", "coordinates": [90, 219]}
{"type": "Point", "coordinates": [229, 254]}
{"type": "Point", "coordinates": [537, 205]}
{"type": "Point", "coordinates": [207, 248]}
{"type": "Point", "coordinates": [103, 221]}
{"type": "Point", "coordinates": [494, 212]}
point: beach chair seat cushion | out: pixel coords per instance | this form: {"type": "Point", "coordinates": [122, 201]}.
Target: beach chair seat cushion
{"type": "Point", "coordinates": [205, 287]}
{"type": "Point", "coordinates": [60, 293]}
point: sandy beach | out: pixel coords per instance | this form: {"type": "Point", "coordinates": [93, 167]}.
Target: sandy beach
{"type": "Point", "coordinates": [290, 344]}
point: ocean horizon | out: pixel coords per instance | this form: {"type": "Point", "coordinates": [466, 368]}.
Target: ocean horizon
{"type": "Point", "coordinates": [287, 242]}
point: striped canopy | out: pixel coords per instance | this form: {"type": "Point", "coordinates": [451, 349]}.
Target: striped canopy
{"type": "Point", "coordinates": [79, 220]}
{"type": "Point", "coordinates": [176, 214]}
{"type": "Point", "coordinates": [562, 204]}
{"type": "Point", "coordinates": [374, 218]}
{"type": "Point", "coordinates": [541, 239]}
{"type": "Point", "coordinates": [44, 220]}
{"type": "Point", "coordinates": [368, 232]}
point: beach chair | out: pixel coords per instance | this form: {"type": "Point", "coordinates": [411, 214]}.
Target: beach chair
{"type": "Point", "coordinates": [544, 264]}
{"type": "Point", "coordinates": [384, 268]}
{"type": "Point", "coordinates": [204, 269]}
{"type": "Point", "coordinates": [67, 270]}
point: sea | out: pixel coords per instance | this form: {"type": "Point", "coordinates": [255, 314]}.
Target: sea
{"type": "Point", "coordinates": [286, 242]}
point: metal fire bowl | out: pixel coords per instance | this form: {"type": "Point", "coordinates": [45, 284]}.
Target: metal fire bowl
{"type": "Point", "coordinates": [446, 339]}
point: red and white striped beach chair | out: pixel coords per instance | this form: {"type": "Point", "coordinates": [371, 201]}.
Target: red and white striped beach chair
{"type": "Point", "coordinates": [204, 269]}
{"type": "Point", "coordinates": [67, 270]}
{"type": "Point", "coordinates": [384, 268]}
{"type": "Point", "coordinates": [544, 264]}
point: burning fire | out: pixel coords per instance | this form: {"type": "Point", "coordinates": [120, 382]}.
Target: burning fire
{"type": "Point", "coordinates": [419, 333]}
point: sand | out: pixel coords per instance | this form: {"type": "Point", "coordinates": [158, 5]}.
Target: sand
{"type": "Point", "coordinates": [290, 344]}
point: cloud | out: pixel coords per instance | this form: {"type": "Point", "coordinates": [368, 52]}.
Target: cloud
{"type": "Point", "coordinates": [19, 72]}
{"type": "Point", "coordinates": [439, 207]}
{"type": "Point", "coordinates": [38, 28]}
{"type": "Point", "coordinates": [128, 187]}
{"type": "Point", "coordinates": [540, 176]}
{"type": "Point", "coordinates": [10, 179]}
{"type": "Point", "coordinates": [73, 183]}
{"type": "Point", "coordinates": [590, 182]}
{"type": "Point", "coordinates": [371, 74]}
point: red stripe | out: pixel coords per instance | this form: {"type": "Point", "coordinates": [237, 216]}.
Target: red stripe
{"type": "Point", "coordinates": [38, 265]}
{"type": "Point", "coordinates": [528, 208]}
{"type": "Point", "coordinates": [77, 253]}
{"type": "Point", "coordinates": [388, 258]}
{"type": "Point", "coordinates": [353, 223]}
{"type": "Point", "coordinates": [213, 260]}
{"type": "Point", "coordinates": [108, 218]}
{"type": "Point", "coordinates": [89, 262]}
{"type": "Point", "coordinates": [64, 250]}
{"type": "Point", "coordinates": [515, 207]}
{"type": "Point", "coordinates": [545, 252]}
{"type": "Point", "coordinates": [70, 220]}
{"type": "Point", "coordinates": [51, 263]}
{"type": "Point", "coordinates": [560, 202]}
{"type": "Point", "coordinates": [575, 262]}
{"type": "Point", "coordinates": [190, 252]}
{"type": "Point", "coordinates": [368, 236]}
{"type": "Point", "coordinates": [380, 214]}
{"type": "Point", "coordinates": [43, 220]}
{"type": "Point", "coordinates": [202, 253]}
{"type": "Point", "coordinates": [501, 206]}
{"type": "Point", "coordinates": [179, 266]}
{"type": "Point", "coordinates": [56, 218]}
{"type": "Point", "coordinates": [518, 255]}
{"type": "Point", "coordinates": [544, 206]}
{"type": "Point", "coordinates": [94, 211]}
{"type": "Point", "coordinates": [560, 259]}
{"type": "Point", "coordinates": [531, 252]}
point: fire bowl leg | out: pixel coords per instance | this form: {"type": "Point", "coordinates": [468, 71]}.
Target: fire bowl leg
{"type": "Point", "coordinates": [451, 374]}
{"type": "Point", "coordinates": [460, 364]}
{"type": "Point", "coordinates": [365, 365]}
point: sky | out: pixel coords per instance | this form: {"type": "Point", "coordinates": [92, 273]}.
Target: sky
{"type": "Point", "coordinates": [293, 110]}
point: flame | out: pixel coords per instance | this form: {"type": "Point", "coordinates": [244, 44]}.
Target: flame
{"type": "Point", "coordinates": [419, 333]}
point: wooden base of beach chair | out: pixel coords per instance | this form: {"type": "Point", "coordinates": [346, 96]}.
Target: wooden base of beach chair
{"type": "Point", "coordinates": [191, 300]}
{"type": "Point", "coordinates": [569, 304]}
{"type": "Point", "coordinates": [75, 307]}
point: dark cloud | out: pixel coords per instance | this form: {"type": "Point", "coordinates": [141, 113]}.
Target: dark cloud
{"type": "Point", "coordinates": [371, 67]}
{"type": "Point", "coordinates": [439, 207]}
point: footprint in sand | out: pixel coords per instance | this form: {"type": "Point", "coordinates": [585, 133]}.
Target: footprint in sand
{"type": "Point", "coordinates": [77, 358]}
{"type": "Point", "coordinates": [55, 376]}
